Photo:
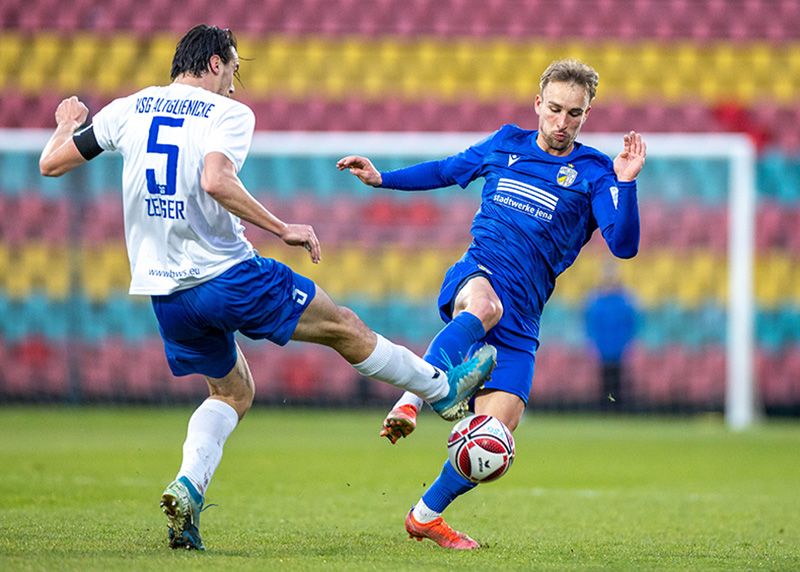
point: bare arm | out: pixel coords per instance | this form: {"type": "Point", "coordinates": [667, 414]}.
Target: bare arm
{"type": "Point", "coordinates": [60, 154]}
{"type": "Point", "coordinates": [219, 179]}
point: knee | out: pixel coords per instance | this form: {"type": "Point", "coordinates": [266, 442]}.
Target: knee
{"type": "Point", "coordinates": [243, 403]}
{"type": "Point", "coordinates": [238, 391]}
{"type": "Point", "coordinates": [348, 327]}
{"type": "Point", "coordinates": [487, 309]}
{"type": "Point", "coordinates": [512, 421]}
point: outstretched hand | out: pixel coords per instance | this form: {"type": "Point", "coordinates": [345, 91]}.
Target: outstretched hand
{"type": "Point", "coordinates": [362, 168]}
{"type": "Point", "coordinates": [630, 161]}
{"type": "Point", "coordinates": [303, 235]}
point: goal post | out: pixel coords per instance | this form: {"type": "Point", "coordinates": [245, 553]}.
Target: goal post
{"type": "Point", "coordinates": [740, 401]}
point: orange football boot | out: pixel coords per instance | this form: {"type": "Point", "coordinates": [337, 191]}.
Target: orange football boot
{"type": "Point", "coordinates": [440, 532]}
{"type": "Point", "coordinates": [400, 422]}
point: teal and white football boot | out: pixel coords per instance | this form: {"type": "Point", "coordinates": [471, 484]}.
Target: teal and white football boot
{"type": "Point", "coordinates": [182, 504]}
{"type": "Point", "coordinates": [465, 380]}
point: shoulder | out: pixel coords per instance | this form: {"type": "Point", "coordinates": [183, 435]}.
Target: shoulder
{"type": "Point", "coordinates": [593, 156]}
{"type": "Point", "coordinates": [122, 104]}
{"type": "Point", "coordinates": [513, 133]}
{"type": "Point", "coordinates": [236, 111]}
{"type": "Point", "coordinates": [508, 136]}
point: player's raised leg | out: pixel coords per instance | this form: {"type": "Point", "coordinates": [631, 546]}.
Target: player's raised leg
{"type": "Point", "coordinates": [374, 356]}
{"type": "Point", "coordinates": [209, 427]}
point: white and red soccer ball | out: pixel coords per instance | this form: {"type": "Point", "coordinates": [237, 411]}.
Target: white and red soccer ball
{"type": "Point", "coordinates": [481, 448]}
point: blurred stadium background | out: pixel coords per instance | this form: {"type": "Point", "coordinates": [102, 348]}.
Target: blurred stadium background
{"type": "Point", "coordinates": [69, 332]}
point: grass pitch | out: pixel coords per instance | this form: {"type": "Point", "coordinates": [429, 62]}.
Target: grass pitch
{"type": "Point", "coordinates": [318, 490]}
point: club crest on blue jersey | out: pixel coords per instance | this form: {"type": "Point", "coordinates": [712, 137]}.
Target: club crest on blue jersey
{"type": "Point", "coordinates": [566, 175]}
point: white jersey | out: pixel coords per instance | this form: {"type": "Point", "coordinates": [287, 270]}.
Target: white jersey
{"type": "Point", "coordinates": [177, 235]}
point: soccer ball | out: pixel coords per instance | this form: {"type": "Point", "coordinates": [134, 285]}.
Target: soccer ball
{"type": "Point", "coordinates": [481, 448]}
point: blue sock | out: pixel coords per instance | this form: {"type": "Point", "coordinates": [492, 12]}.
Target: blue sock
{"type": "Point", "coordinates": [446, 488]}
{"type": "Point", "coordinates": [451, 345]}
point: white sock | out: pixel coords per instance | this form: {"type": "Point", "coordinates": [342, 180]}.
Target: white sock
{"type": "Point", "coordinates": [209, 427]}
{"type": "Point", "coordinates": [422, 513]}
{"type": "Point", "coordinates": [409, 398]}
{"type": "Point", "coordinates": [402, 368]}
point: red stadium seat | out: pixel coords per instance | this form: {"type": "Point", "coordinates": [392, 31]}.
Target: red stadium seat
{"type": "Point", "coordinates": [565, 376]}
{"type": "Point", "coordinates": [301, 375]}
{"type": "Point", "coordinates": [779, 384]}
{"type": "Point", "coordinates": [265, 361]}
{"type": "Point", "coordinates": [99, 366]}
{"type": "Point", "coordinates": [147, 376]}
{"type": "Point", "coordinates": [13, 109]}
{"type": "Point", "coordinates": [36, 369]}
{"type": "Point", "coordinates": [706, 381]}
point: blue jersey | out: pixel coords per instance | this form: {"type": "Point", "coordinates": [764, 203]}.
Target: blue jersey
{"type": "Point", "coordinates": [537, 210]}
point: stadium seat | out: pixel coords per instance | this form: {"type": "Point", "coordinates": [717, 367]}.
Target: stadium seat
{"type": "Point", "coordinates": [146, 376]}
{"type": "Point", "coordinates": [36, 370]}
{"type": "Point", "coordinates": [102, 220]}
{"type": "Point", "coordinates": [565, 376]}
{"type": "Point", "coordinates": [778, 375]}
{"type": "Point", "coordinates": [99, 365]}
{"type": "Point", "coordinates": [706, 378]}
{"type": "Point", "coordinates": [299, 373]}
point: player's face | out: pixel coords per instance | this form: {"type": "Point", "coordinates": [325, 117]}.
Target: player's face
{"type": "Point", "coordinates": [228, 73]}
{"type": "Point", "coordinates": [562, 108]}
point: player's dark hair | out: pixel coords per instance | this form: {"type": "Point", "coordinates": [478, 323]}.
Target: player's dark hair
{"type": "Point", "coordinates": [195, 49]}
{"type": "Point", "coordinates": [571, 71]}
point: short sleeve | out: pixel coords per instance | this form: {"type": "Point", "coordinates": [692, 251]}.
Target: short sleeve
{"type": "Point", "coordinates": [107, 123]}
{"type": "Point", "coordinates": [232, 134]}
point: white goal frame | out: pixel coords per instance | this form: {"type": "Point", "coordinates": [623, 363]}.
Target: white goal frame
{"type": "Point", "coordinates": [740, 394]}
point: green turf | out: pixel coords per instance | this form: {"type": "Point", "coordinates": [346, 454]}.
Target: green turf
{"type": "Point", "coordinates": [313, 490]}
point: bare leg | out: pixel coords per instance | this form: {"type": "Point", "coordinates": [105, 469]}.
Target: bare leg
{"type": "Point", "coordinates": [213, 421]}
{"type": "Point", "coordinates": [372, 355]}
{"type": "Point", "coordinates": [337, 327]}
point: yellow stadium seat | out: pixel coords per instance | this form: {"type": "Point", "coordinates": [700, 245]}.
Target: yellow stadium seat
{"type": "Point", "coordinates": [34, 266]}
{"type": "Point", "coordinates": [104, 270]}
{"type": "Point", "coordinates": [774, 273]}
{"type": "Point", "coordinates": [83, 55]}
{"type": "Point", "coordinates": [261, 70]}
{"type": "Point", "coordinates": [44, 52]}
{"type": "Point", "coordinates": [11, 49]}
{"type": "Point", "coordinates": [424, 273]}
{"type": "Point", "coordinates": [57, 278]}
{"type": "Point", "coordinates": [394, 264]}
{"type": "Point", "coordinates": [122, 52]}
{"type": "Point", "coordinates": [17, 285]}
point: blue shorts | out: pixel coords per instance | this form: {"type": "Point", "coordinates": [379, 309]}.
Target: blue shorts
{"type": "Point", "coordinates": [260, 297]}
{"type": "Point", "coordinates": [515, 336]}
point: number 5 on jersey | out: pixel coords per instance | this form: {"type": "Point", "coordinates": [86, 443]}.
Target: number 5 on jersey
{"type": "Point", "coordinates": [171, 151]}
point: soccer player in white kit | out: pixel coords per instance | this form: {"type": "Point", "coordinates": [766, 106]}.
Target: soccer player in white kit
{"type": "Point", "coordinates": [182, 147]}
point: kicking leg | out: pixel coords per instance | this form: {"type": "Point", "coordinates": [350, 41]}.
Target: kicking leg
{"type": "Point", "coordinates": [374, 356]}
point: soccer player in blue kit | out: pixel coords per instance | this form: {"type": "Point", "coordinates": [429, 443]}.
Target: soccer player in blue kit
{"type": "Point", "coordinates": [544, 196]}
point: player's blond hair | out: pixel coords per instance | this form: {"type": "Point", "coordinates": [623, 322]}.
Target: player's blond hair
{"type": "Point", "coordinates": [571, 71]}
